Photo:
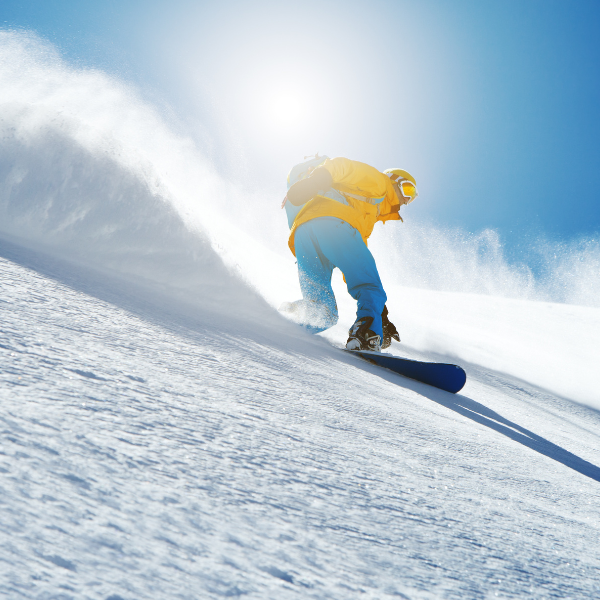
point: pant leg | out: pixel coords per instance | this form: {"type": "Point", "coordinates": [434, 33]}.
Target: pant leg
{"type": "Point", "coordinates": [314, 273]}
{"type": "Point", "coordinates": [343, 246]}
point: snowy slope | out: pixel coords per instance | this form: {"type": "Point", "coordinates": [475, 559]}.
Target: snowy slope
{"type": "Point", "coordinates": [152, 452]}
{"type": "Point", "coordinates": [167, 434]}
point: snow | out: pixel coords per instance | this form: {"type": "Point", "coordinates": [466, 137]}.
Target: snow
{"type": "Point", "coordinates": [166, 433]}
{"type": "Point", "coordinates": [152, 452]}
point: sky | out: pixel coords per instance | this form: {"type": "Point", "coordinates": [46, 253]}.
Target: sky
{"type": "Point", "coordinates": [494, 107]}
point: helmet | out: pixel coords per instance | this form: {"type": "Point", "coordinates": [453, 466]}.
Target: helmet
{"type": "Point", "coordinates": [397, 176]}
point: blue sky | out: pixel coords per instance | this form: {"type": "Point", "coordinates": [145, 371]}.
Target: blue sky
{"type": "Point", "coordinates": [494, 106]}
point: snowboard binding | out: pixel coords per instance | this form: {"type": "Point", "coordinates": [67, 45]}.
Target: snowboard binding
{"type": "Point", "coordinates": [361, 337]}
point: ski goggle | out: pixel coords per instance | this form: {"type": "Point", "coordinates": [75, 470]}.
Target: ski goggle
{"type": "Point", "coordinates": [408, 190]}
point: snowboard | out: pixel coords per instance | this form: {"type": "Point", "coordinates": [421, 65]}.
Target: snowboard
{"type": "Point", "coordinates": [450, 378]}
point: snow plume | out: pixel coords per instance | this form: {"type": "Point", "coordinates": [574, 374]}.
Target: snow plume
{"type": "Point", "coordinates": [87, 170]}
{"type": "Point", "coordinates": [570, 272]}
{"type": "Point", "coordinates": [455, 261]}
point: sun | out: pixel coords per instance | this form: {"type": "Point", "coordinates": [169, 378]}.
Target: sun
{"type": "Point", "coordinates": [287, 108]}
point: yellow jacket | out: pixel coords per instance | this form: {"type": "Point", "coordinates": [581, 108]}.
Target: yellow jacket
{"type": "Point", "coordinates": [369, 193]}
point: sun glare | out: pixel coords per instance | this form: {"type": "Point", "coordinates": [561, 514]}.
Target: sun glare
{"type": "Point", "coordinates": [286, 108]}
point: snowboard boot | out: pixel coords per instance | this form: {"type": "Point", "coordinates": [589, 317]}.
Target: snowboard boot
{"type": "Point", "coordinates": [362, 338]}
{"type": "Point", "coordinates": [389, 330]}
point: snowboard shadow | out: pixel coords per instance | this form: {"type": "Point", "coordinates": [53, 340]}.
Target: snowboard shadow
{"type": "Point", "coordinates": [479, 413]}
{"type": "Point", "coordinates": [485, 416]}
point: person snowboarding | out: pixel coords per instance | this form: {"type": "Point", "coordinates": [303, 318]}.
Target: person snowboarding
{"type": "Point", "coordinates": [332, 206]}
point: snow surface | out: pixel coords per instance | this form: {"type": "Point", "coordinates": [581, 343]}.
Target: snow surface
{"type": "Point", "coordinates": [166, 433]}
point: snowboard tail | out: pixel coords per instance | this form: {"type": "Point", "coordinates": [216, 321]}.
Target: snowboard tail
{"type": "Point", "coordinates": [447, 377]}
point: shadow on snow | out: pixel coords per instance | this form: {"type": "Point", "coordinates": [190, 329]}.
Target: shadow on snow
{"type": "Point", "coordinates": [479, 413]}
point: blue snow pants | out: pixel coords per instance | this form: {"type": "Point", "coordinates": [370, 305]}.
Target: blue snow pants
{"type": "Point", "coordinates": [324, 243]}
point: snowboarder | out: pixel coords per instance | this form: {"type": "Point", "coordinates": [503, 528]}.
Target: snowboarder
{"type": "Point", "coordinates": [332, 206]}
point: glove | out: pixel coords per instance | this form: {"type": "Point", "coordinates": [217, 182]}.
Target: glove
{"type": "Point", "coordinates": [389, 330]}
